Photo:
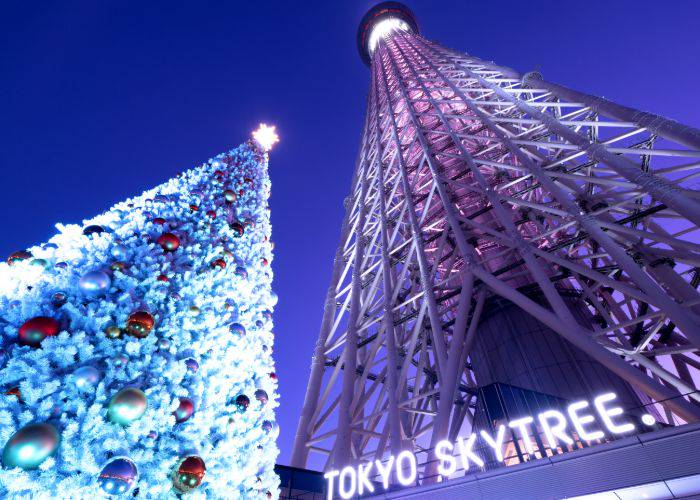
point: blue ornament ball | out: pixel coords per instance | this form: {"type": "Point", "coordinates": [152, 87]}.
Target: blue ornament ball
{"type": "Point", "coordinates": [59, 298]}
{"type": "Point", "coordinates": [86, 378]}
{"type": "Point", "coordinates": [261, 396]}
{"type": "Point", "coordinates": [236, 328]}
{"type": "Point", "coordinates": [118, 476]}
{"type": "Point", "coordinates": [93, 229]}
{"type": "Point", "coordinates": [192, 365]}
{"type": "Point", "coordinates": [39, 263]}
{"type": "Point", "coordinates": [95, 283]}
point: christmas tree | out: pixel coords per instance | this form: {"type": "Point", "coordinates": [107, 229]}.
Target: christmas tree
{"type": "Point", "coordinates": [136, 349]}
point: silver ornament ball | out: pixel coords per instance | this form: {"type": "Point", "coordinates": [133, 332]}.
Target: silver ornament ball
{"type": "Point", "coordinates": [86, 378]}
{"type": "Point", "coordinates": [95, 283]}
{"type": "Point", "coordinates": [120, 252]}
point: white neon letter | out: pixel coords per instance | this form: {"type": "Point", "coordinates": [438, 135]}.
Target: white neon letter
{"type": "Point", "coordinates": [556, 430]}
{"type": "Point", "coordinates": [384, 471]}
{"type": "Point", "coordinates": [496, 444]}
{"type": "Point", "coordinates": [330, 476]}
{"type": "Point", "coordinates": [465, 450]}
{"type": "Point", "coordinates": [606, 413]}
{"type": "Point", "coordinates": [521, 426]}
{"type": "Point", "coordinates": [448, 464]}
{"type": "Point", "coordinates": [363, 478]}
{"type": "Point", "coordinates": [580, 420]}
{"type": "Point", "coordinates": [347, 471]}
{"type": "Point", "coordinates": [411, 478]}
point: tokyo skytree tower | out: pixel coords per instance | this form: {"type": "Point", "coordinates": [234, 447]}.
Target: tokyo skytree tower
{"type": "Point", "coordinates": [500, 230]}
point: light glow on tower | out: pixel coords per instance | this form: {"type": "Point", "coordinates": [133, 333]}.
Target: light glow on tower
{"type": "Point", "coordinates": [383, 28]}
{"type": "Point", "coordinates": [266, 137]}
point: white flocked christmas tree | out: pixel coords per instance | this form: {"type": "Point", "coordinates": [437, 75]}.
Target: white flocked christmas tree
{"type": "Point", "coordinates": [137, 348]}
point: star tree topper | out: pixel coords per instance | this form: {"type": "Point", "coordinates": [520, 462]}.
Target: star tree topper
{"type": "Point", "coordinates": [266, 137]}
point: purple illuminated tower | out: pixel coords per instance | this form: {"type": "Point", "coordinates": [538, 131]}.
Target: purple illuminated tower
{"type": "Point", "coordinates": [503, 234]}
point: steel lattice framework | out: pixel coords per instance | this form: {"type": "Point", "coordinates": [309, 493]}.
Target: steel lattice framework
{"type": "Point", "coordinates": [474, 182]}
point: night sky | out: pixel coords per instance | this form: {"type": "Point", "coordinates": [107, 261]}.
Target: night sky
{"type": "Point", "coordinates": [102, 100]}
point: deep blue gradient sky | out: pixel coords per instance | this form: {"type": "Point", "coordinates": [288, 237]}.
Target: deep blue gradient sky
{"type": "Point", "coordinates": [101, 100]}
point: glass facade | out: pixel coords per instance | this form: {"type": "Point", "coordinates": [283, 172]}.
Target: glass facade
{"type": "Point", "coordinates": [300, 484]}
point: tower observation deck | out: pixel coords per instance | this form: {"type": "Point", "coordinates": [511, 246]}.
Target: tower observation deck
{"type": "Point", "coordinates": [508, 243]}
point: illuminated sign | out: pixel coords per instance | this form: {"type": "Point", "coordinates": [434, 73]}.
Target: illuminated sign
{"type": "Point", "coordinates": [351, 481]}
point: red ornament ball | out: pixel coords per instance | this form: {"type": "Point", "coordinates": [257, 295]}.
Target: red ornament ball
{"type": "Point", "coordinates": [211, 214]}
{"type": "Point", "coordinates": [140, 324]}
{"type": "Point", "coordinates": [184, 411]}
{"type": "Point", "coordinates": [14, 391]}
{"type": "Point", "coordinates": [34, 330]}
{"type": "Point", "coordinates": [194, 208]}
{"type": "Point", "coordinates": [188, 474]}
{"type": "Point", "coordinates": [163, 278]}
{"type": "Point", "coordinates": [18, 256]}
{"type": "Point", "coordinates": [218, 263]}
{"type": "Point", "coordinates": [242, 402]}
{"type": "Point", "coordinates": [159, 220]}
{"type": "Point", "coordinates": [238, 228]}
{"type": "Point", "coordinates": [168, 242]}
